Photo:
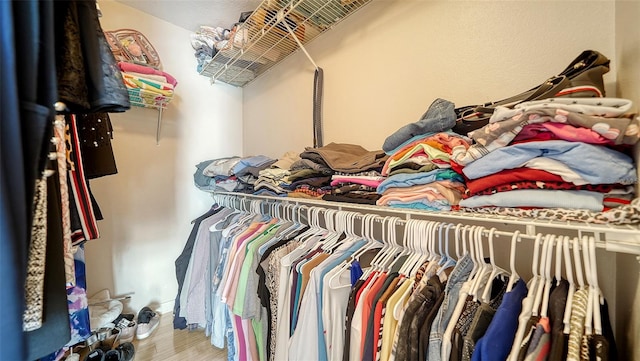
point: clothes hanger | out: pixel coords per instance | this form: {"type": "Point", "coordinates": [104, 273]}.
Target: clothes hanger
{"type": "Point", "coordinates": [337, 222]}
{"type": "Point", "coordinates": [597, 316]}
{"type": "Point", "coordinates": [391, 238]}
{"type": "Point", "coordinates": [512, 261]}
{"type": "Point", "coordinates": [342, 225]}
{"type": "Point", "coordinates": [424, 240]}
{"type": "Point", "coordinates": [310, 239]}
{"type": "Point", "coordinates": [468, 230]}
{"type": "Point", "coordinates": [559, 247]}
{"type": "Point", "coordinates": [484, 268]}
{"type": "Point", "coordinates": [544, 302]}
{"type": "Point", "coordinates": [572, 288]}
{"type": "Point", "coordinates": [588, 320]}
{"type": "Point", "coordinates": [432, 254]}
{"type": "Point", "coordinates": [386, 252]}
{"type": "Point", "coordinates": [391, 250]}
{"type": "Point", "coordinates": [448, 260]}
{"type": "Point", "coordinates": [371, 244]}
{"type": "Point", "coordinates": [457, 242]}
{"type": "Point", "coordinates": [436, 244]}
{"type": "Point", "coordinates": [544, 273]}
{"type": "Point", "coordinates": [495, 270]}
{"type": "Point", "coordinates": [578, 262]}
{"type": "Point", "coordinates": [385, 248]}
{"type": "Point", "coordinates": [407, 238]}
{"type": "Point", "coordinates": [535, 263]}
{"type": "Point", "coordinates": [411, 231]}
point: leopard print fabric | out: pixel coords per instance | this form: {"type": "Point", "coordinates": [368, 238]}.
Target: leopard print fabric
{"type": "Point", "coordinates": [626, 214]}
{"type": "Point", "coordinates": [34, 283]}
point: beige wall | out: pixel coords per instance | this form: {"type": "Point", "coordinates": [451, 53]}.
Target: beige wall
{"type": "Point", "coordinates": [628, 85]}
{"type": "Point", "coordinates": [148, 206]}
{"type": "Point", "coordinates": [386, 64]}
{"type": "Point", "coordinates": [383, 67]}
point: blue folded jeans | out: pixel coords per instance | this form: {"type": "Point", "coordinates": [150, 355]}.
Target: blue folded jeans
{"type": "Point", "coordinates": [439, 117]}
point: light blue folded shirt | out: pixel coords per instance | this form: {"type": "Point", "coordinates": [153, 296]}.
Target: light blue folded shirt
{"type": "Point", "coordinates": [423, 205]}
{"type": "Point", "coordinates": [544, 198]}
{"type": "Point", "coordinates": [595, 164]}
{"type": "Point", "coordinates": [254, 161]}
{"type": "Point", "coordinates": [414, 179]}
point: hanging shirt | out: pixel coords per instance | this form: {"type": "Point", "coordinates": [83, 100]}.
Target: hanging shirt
{"type": "Point", "coordinates": [458, 276]}
{"type": "Point", "coordinates": [557, 302]}
{"type": "Point", "coordinates": [578, 314]}
{"type": "Point", "coordinates": [496, 342]}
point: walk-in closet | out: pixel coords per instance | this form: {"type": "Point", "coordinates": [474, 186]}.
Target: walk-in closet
{"type": "Point", "coordinates": [273, 180]}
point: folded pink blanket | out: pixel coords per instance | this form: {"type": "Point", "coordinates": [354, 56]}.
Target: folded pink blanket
{"type": "Point", "coordinates": [124, 66]}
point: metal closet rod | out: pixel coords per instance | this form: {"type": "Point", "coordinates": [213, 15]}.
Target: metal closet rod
{"type": "Point", "coordinates": [614, 239]}
{"type": "Point", "coordinates": [399, 222]}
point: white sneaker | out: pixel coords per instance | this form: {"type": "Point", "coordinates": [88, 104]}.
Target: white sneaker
{"type": "Point", "coordinates": [148, 321]}
{"type": "Point", "coordinates": [127, 330]}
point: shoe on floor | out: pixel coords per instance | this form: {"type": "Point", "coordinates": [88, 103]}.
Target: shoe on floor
{"type": "Point", "coordinates": [95, 355]}
{"type": "Point", "coordinates": [127, 351]}
{"type": "Point", "coordinates": [127, 329]}
{"type": "Point", "coordinates": [124, 352]}
{"type": "Point", "coordinates": [112, 355]}
{"type": "Point", "coordinates": [147, 323]}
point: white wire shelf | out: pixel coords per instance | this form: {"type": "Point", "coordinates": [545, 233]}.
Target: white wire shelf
{"type": "Point", "coordinates": [614, 238]}
{"type": "Point", "coordinates": [263, 39]}
{"type": "Point", "coordinates": [148, 99]}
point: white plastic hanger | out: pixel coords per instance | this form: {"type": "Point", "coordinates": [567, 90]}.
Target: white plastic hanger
{"type": "Point", "coordinates": [466, 234]}
{"type": "Point", "coordinates": [420, 245]}
{"type": "Point", "coordinates": [578, 263]}
{"type": "Point", "coordinates": [535, 264]}
{"type": "Point", "coordinates": [448, 260]}
{"type": "Point", "coordinates": [410, 230]}
{"type": "Point", "coordinates": [391, 251]}
{"type": "Point", "coordinates": [484, 268]}
{"type": "Point", "coordinates": [597, 316]}
{"type": "Point", "coordinates": [406, 245]}
{"type": "Point", "coordinates": [332, 237]}
{"type": "Point", "coordinates": [572, 287]}
{"type": "Point", "coordinates": [388, 249]}
{"type": "Point", "coordinates": [391, 236]}
{"type": "Point", "coordinates": [512, 261]}
{"type": "Point", "coordinates": [495, 270]}
{"type": "Point", "coordinates": [559, 247]}
{"type": "Point", "coordinates": [588, 320]}
{"type": "Point", "coordinates": [542, 280]}
{"type": "Point", "coordinates": [432, 254]}
{"type": "Point", "coordinates": [544, 306]}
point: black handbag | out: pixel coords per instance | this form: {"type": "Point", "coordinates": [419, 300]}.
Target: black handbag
{"type": "Point", "coordinates": [583, 77]}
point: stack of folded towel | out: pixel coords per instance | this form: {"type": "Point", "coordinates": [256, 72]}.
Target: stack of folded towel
{"type": "Point", "coordinates": [147, 86]}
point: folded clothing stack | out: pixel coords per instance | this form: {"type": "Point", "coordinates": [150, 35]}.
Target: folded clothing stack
{"type": "Point", "coordinates": [556, 153]}
{"type": "Point", "coordinates": [232, 174]}
{"type": "Point", "coordinates": [209, 41]}
{"type": "Point", "coordinates": [420, 172]}
{"type": "Point", "coordinates": [147, 86]}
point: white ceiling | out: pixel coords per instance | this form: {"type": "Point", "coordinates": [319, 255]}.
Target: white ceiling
{"type": "Point", "coordinates": [190, 14]}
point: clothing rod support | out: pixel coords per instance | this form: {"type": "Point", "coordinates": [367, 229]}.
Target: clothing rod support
{"type": "Point", "coordinates": [280, 17]}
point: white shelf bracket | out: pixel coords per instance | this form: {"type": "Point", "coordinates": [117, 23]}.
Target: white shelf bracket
{"type": "Point", "coordinates": [159, 125]}
{"type": "Point", "coordinates": [281, 19]}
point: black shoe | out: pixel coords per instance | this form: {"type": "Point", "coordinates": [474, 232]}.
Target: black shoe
{"type": "Point", "coordinates": [127, 351]}
{"type": "Point", "coordinates": [124, 352]}
{"type": "Point", "coordinates": [112, 355]}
